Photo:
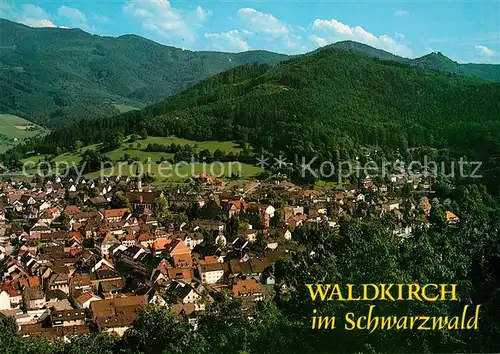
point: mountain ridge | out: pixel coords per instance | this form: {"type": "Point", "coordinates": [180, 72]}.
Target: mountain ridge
{"type": "Point", "coordinates": [55, 76]}
{"type": "Point", "coordinates": [435, 60]}
{"type": "Point", "coordinates": [334, 100]}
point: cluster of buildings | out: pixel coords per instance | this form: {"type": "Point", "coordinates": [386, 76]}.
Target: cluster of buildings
{"type": "Point", "coordinates": [72, 262]}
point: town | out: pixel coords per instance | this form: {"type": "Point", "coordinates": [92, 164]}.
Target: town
{"type": "Point", "coordinates": [86, 256]}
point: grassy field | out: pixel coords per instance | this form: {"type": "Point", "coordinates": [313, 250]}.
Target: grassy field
{"type": "Point", "coordinates": [136, 150]}
{"type": "Point", "coordinates": [125, 108]}
{"type": "Point", "coordinates": [327, 185]}
{"type": "Point", "coordinates": [14, 129]}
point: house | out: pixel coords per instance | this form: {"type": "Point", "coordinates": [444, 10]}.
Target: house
{"type": "Point", "coordinates": [84, 299]}
{"type": "Point", "coordinates": [211, 273]}
{"type": "Point", "coordinates": [284, 233]}
{"type": "Point", "coordinates": [451, 218]}
{"type": "Point", "coordinates": [144, 202]}
{"type": "Point", "coordinates": [250, 235]}
{"type": "Point", "coordinates": [109, 288]}
{"type": "Point", "coordinates": [191, 239]}
{"type": "Point", "coordinates": [118, 314]}
{"type": "Point", "coordinates": [149, 220]}
{"type": "Point", "coordinates": [72, 210]}
{"type": "Point", "coordinates": [104, 244]}
{"type": "Point", "coordinates": [160, 245]}
{"type": "Point", "coordinates": [68, 318]}
{"type": "Point", "coordinates": [262, 213]}
{"type": "Point", "coordinates": [180, 253]}
{"type": "Point", "coordinates": [128, 240]}
{"type": "Point", "coordinates": [99, 201]}
{"type": "Point", "coordinates": [296, 221]}
{"type": "Point", "coordinates": [138, 258]}
{"type": "Point", "coordinates": [215, 225]}
{"type": "Point", "coordinates": [38, 229]}
{"type": "Point", "coordinates": [114, 215]}
{"type": "Point", "coordinates": [9, 297]}
{"type": "Point", "coordinates": [34, 298]}
{"type": "Point", "coordinates": [390, 206]}
{"type": "Point", "coordinates": [80, 283]}
{"type": "Point", "coordinates": [425, 205]}
{"type": "Point", "coordinates": [248, 290]}
{"type": "Point", "coordinates": [272, 244]}
{"type": "Point", "coordinates": [186, 294]}
{"type": "Point", "coordinates": [233, 207]}
{"type": "Point", "coordinates": [293, 211]}
{"type": "Point", "coordinates": [59, 281]}
{"type": "Point", "coordinates": [4, 300]}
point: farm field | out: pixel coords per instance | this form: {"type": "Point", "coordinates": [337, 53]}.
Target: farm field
{"type": "Point", "coordinates": [14, 129]}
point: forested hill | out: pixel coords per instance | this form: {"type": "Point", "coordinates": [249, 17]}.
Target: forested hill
{"type": "Point", "coordinates": [334, 100]}
{"type": "Point", "coordinates": [55, 76]}
{"type": "Point", "coordinates": [435, 61]}
{"type": "Point", "coordinates": [52, 76]}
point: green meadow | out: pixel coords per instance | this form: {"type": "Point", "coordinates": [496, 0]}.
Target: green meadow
{"type": "Point", "coordinates": [14, 129]}
{"type": "Point", "coordinates": [136, 150]}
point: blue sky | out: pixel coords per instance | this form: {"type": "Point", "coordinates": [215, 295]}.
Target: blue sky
{"type": "Point", "coordinates": [466, 31]}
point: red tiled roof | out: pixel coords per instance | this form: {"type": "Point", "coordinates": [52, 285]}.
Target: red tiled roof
{"type": "Point", "coordinates": [72, 210]}
{"type": "Point", "coordinates": [115, 213]}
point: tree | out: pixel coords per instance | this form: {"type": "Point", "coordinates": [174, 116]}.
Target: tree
{"type": "Point", "coordinates": [162, 210]}
{"type": "Point", "coordinates": [99, 343]}
{"type": "Point", "coordinates": [120, 200]}
{"type": "Point", "coordinates": [93, 160]}
{"type": "Point", "coordinates": [65, 221]}
{"type": "Point", "coordinates": [77, 145]}
{"type": "Point", "coordinates": [157, 330]}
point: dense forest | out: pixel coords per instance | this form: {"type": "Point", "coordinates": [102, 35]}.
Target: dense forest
{"type": "Point", "coordinates": [360, 251]}
{"type": "Point", "coordinates": [331, 105]}
{"type": "Point", "coordinates": [53, 76]}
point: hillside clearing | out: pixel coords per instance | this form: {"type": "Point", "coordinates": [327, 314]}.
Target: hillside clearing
{"type": "Point", "coordinates": [14, 129]}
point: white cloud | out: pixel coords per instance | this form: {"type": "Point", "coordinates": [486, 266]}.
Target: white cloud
{"type": "Point", "coordinates": [100, 18]}
{"type": "Point", "coordinates": [230, 41]}
{"type": "Point", "coordinates": [274, 34]}
{"type": "Point", "coordinates": [37, 23]}
{"type": "Point", "coordinates": [261, 22]}
{"type": "Point", "coordinates": [402, 13]}
{"type": "Point", "coordinates": [203, 14]}
{"type": "Point", "coordinates": [73, 17]}
{"type": "Point", "coordinates": [334, 31]}
{"type": "Point", "coordinates": [485, 51]}
{"type": "Point", "coordinates": [318, 40]}
{"type": "Point", "coordinates": [71, 13]}
{"type": "Point", "coordinates": [35, 16]}
{"type": "Point", "coordinates": [399, 35]}
{"type": "Point", "coordinates": [28, 14]}
{"type": "Point", "coordinates": [159, 17]}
